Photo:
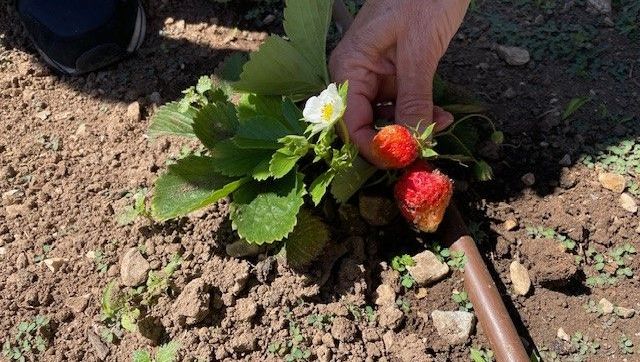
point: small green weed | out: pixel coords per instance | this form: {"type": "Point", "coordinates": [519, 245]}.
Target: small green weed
{"type": "Point", "coordinates": [541, 232]}
{"type": "Point", "coordinates": [320, 321]}
{"type": "Point", "coordinates": [100, 260]}
{"type": "Point", "coordinates": [462, 299]}
{"type": "Point", "coordinates": [291, 350]}
{"type": "Point", "coordinates": [404, 305]}
{"type": "Point", "coordinates": [165, 353]}
{"type": "Point", "coordinates": [28, 341]}
{"type": "Point", "coordinates": [455, 259]}
{"type": "Point", "coordinates": [608, 268]}
{"type": "Point", "coordinates": [46, 249]}
{"type": "Point", "coordinates": [400, 264]}
{"type": "Point", "coordinates": [367, 313]}
{"type": "Point", "coordinates": [481, 354]}
{"type": "Point", "coordinates": [584, 345]}
{"type": "Point", "coordinates": [139, 208]}
{"type": "Point", "coordinates": [626, 345]}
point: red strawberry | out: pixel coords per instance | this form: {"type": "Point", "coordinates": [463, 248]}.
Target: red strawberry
{"type": "Point", "coordinates": [395, 147]}
{"type": "Point", "coordinates": [423, 194]}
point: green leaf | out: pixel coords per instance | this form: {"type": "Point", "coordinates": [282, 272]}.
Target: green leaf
{"type": "Point", "coordinates": [266, 212]}
{"type": "Point", "coordinates": [482, 171]}
{"type": "Point", "coordinates": [574, 105]}
{"type": "Point", "coordinates": [252, 105]}
{"type": "Point", "coordinates": [168, 120]}
{"type": "Point", "coordinates": [232, 67]}
{"type": "Point", "coordinates": [190, 184]}
{"type": "Point", "coordinates": [307, 239]}
{"type": "Point", "coordinates": [284, 159]}
{"type": "Point", "coordinates": [262, 127]}
{"type": "Point", "coordinates": [168, 352]}
{"type": "Point", "coordinates": [348, 182]}
{"type": "Point", "coordinates": [129, 320]}
{"type": "Point", "coordinates": [112, 299]}
{"type": "Point", "coordinates": [141, 356]}
{"type": "Point", "coordinates": [231, 160]}
{"type": "Point", "coordinates": [306, 23]}
{"type": "Point", "coordinates": [319, 186]}
{"type": "Point", "coordinates": [293, 116]}
{"type": "Point", "coordinates": [215, 122]}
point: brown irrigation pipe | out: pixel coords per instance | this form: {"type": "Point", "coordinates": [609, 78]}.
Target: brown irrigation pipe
{"type": "Point", "coordinates": [487, 302]}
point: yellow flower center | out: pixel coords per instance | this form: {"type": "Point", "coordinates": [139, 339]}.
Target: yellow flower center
{"type": "Point", "coordinates": [327, 112]}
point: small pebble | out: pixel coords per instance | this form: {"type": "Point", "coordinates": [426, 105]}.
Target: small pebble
{"type": "Point", "coordinates": [528, 179]}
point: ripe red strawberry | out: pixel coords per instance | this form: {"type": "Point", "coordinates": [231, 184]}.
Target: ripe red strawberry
{"type": "Point", "coordinates": [395, 147]}
{"type": "Point", "coordinates": [423, 194]}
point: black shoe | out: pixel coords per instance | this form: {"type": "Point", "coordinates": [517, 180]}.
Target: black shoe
{"type": "Point", "coordinates": [79, 36]}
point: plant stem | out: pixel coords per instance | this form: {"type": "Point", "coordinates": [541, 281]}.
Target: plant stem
{"type": "Point", "coordinates": [344, 131]}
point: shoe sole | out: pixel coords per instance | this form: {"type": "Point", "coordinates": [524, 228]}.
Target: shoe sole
{"type": "Point", "coordinates": [139, 32]}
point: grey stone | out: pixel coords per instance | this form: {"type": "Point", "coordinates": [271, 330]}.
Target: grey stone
{"type": "Point", "coordinates": [133, 268]}
{"type": "Point", "coordinates": [428, 268]}
{"type": "Point", "coordinates": [54, 264]}
{"type": "Point", "coordinates": [454, 327]}
{"type": "Point", "coordinates": [628, 203]}
{"type": "Point", "coordinates": [513, 55]}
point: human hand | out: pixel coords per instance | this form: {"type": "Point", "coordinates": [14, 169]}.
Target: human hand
{"type": "Point", "coordinates": [390, 54]}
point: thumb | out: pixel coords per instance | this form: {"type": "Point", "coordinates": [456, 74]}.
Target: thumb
{"type": "Point", "coordinates": [415, 73]}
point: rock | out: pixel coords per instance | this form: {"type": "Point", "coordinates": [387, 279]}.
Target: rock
{"type": "Point", "coordinates": [509, 93]}
{"type": "Point", "coordinates": [565, 160]}
{"type": "Point", "coordinates": [180, 25]}
{"type": "Point", "coordinates": [377, 210]}
{"type": "Point", "coordinates": [155, 98]}
{"type": "Point", "coordinates": [510, 224]}
{"type": "Point", "coordinates": [245, 342]}
{"type": "Point", "coordinates": [385, 295]}
{"type": "Point", "coordinates": [548, 263]}
{"type": "Point", "coordinates": [606, 306]}
{"type": "Point", "coordinates": [454, 327]}
{"type": "Point", "coordinates": [390, 317]}
{"type": "Point", "coordinates": [513, 55]}
{"type": "Point", "coordinates": [421, 293]}
{"type": "Point", "coordinates": [13, 211]}
{"type": "Point", "coordinates": [625, 313]}
{"type": "Point", "coordinates": [268, 19]}
{"type": "Point", "coordinates": [628, 203]}
{"type": "Point", "coordinates": [77, 304]}
{"type": "Point", "coordinates": [612, 181]}
{"type": "Point", "coordinates": [519, 278]}
{"type": "Point", "coordinates": [81, 130]}
{"type": "Point", "coordinates": [343, 329]}
{"type": "Point", "coordinates": [563, 335]}
{"type": "Point", "coordinates": [428, 268]}
{"type": "Point", "coordinates": [241, 248]}
{"type": "Point", "coordinates": [389, 340]}
{"type": "Point", "coordinates": [192, 305]}
{"type": "Point", "coordinates": [12, 197]}
{"type": "Point", "coordinates": [528, 179]}
{"type": "Point", "coordinates": [324, 354]}
{"type": "Point", "coordinates": [54, 264]}
{"type": "Point", "coordinates": [327, 340]}
{"type": "Point", "coordinates": [133, 268]}
{"type": "Point", "coordinates": [3, 251]}
{"type": "Point", "coordinates": [100, 349]}
{"type": "Point", "coordinates": [246, 309]}
{"type": "Point", "coordinates": [133, 112]}
{"type": "Point", "coordinates": [21, 261]}
{"type": "Point", "coordinates": [601, 6]}
{"type": "Point", "coordinates": [43, 115]}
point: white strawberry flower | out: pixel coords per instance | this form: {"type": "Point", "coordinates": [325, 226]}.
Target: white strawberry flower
{"type": "Point", "coordinates": [324, 110]}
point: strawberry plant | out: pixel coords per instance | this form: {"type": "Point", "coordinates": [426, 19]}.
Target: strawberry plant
{"type": "Point", "coordinates": [400, 264]}
{"type": "Point", "coordinates": [274, 142]}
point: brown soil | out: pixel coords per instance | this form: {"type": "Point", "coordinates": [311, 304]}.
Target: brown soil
{"type": "Point", "coordinates": [74, 154]}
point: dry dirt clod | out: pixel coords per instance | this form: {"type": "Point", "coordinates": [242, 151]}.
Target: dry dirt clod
{"type": "Point", "coordinates": [21, 261]}
{"type": "Point", "coordinates": [77, 304]}
{"type": "Point", "coordinates": [324, 354]}
{"type": "Point", "coordinates": [390, 317]}
{"type": "Point", "coordinates": [13, 211]}
{"type": "Point", "coordinates": [192, 305]}
{"type": "Point", "coordinates": [54, 264]}
{"type": "Point", "coordinates": [606, 306]}
{"type": "Point", "coordinates": [133, 112]}
{"type": "Point", "coordinates": [422, 293]}
{"type": "Point", "coordinates": [385, 295]}
{"type": "Point", "coordinates": [100, 349]}
{"type": "Point", "coordinates": [549, 264]}
{"type": "Point", "coordinates": [528, 179]}
{"type": "Point", "coordinates": [510, 224]}
{"type": "Point", "coordinates": [563, 335]}
{"type": "Point", "coordinates": [246, 309]}
{"type": "Point", "coordinates": [12, 197]}
{"type": "Point", "coordinates": [455, 327]}
{"type": "Point", "coordinates": [612, 181]}
{"type": "Point", "coordinates": [513, 55]}
{"type": "Point", "coordinates": [628, 203]}
{"type": "Point", "coordinates": [625, 313]}
{"type": "Point", "coordinates": [428, 268]}
{"type": "Point", "coordinates": [601, 6]}
{"type": "Point", "coordinates": [519, 278]}
{"type": "Point", "coordinates": [343, 329]}
{"type": "Point", "coordinates": [133, 268]}
{"type": "Point", "coordinates": [377, 210]}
